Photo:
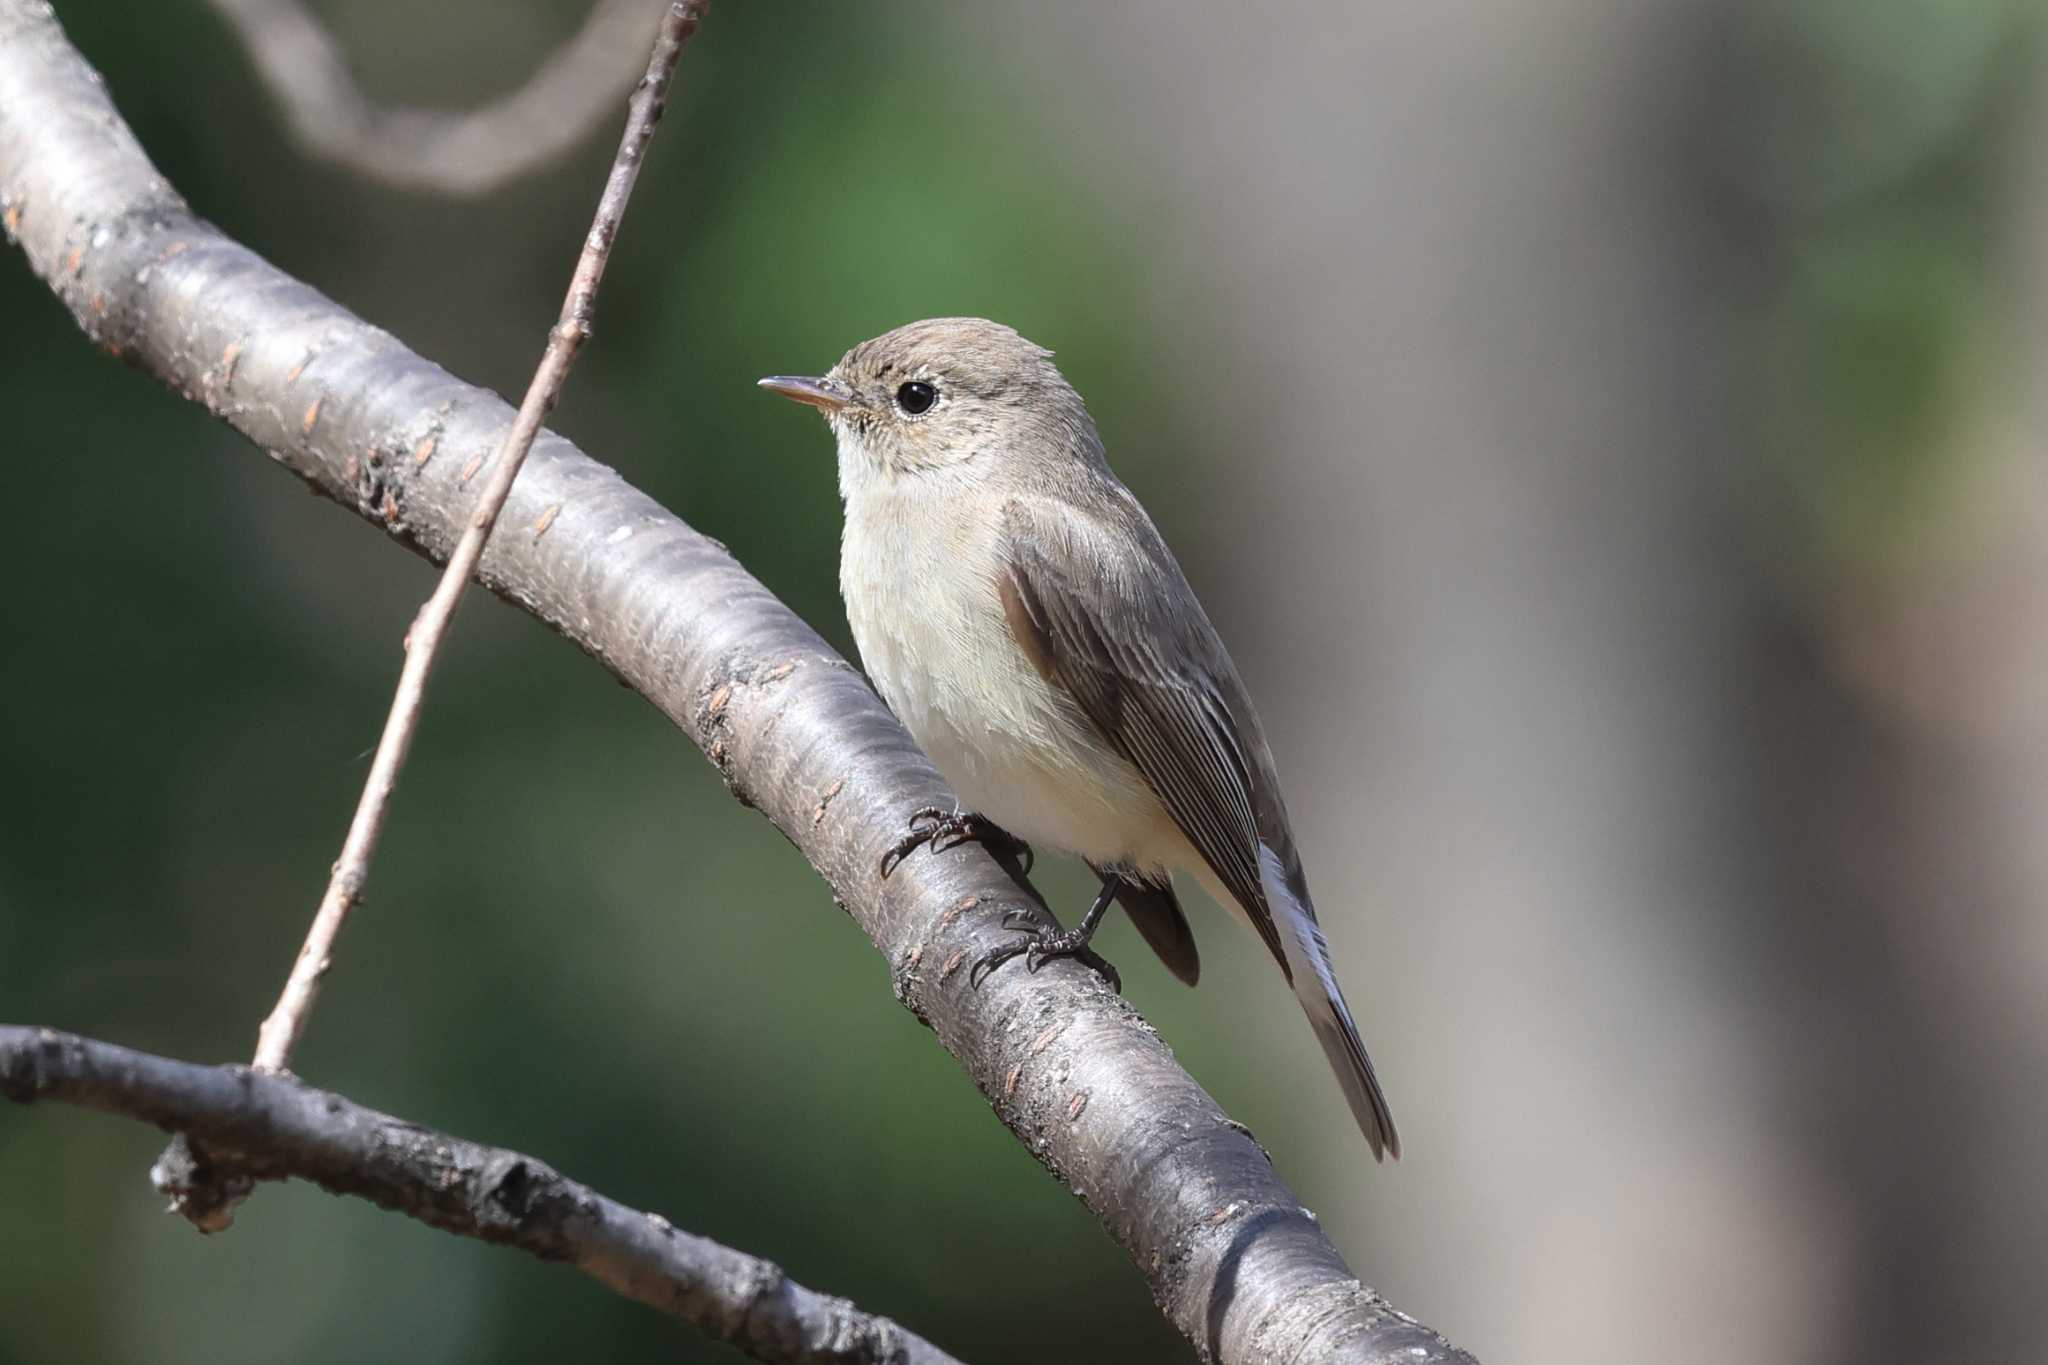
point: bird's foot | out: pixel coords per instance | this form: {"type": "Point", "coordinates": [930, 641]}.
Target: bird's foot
{"type": "Point", "coordinates": [943, 829]}
{"type": "Point", "coordinates": [1038, 944]}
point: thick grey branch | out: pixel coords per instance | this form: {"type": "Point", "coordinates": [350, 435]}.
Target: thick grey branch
{"type": "Point", "coordinates": [276, 1127]}
{"type": "Point", "coordinates": [1232, 1257]}
{"type": "Point", "coordinates": [467, 153]}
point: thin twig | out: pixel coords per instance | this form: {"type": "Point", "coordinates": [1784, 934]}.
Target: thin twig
{"type": "Point", "coordinates": [281, 1031]}
{"type": "Point", "coordinates": [462, 153]}
{"type": "Point", "coordinates": [277, 1127]}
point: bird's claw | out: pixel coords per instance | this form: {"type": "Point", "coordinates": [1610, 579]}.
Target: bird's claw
{"type": "Point", "coordinates": [986, 966]}
{"type": "Point", "coordinates": [942, 829]}
{"type": "Point", "coordinates": [923, 828]}
{"type": "Point", "coordinates": [1038, 945]}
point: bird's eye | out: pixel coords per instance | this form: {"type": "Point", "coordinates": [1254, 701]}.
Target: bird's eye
{"type": "Point", "coordinates": [916, 397]}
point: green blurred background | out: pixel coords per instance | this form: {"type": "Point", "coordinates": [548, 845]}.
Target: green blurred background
{"type": "Point", "coordinates": [1608, 436]}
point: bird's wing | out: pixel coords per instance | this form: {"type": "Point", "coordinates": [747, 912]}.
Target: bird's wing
{"type": "Point", "coordinates": [1130, 644]}
{"type": "Point", "coordinates": [1120, 645]}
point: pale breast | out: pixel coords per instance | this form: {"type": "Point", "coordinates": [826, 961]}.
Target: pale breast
{"type": "Point", "coordinates": [920, 589]}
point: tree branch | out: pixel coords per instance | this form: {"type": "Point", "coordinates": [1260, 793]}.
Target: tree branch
{"type": "Point", "coordinates": [277, 1127]}
{"type": "Point", "coordinates": [1232, 1257]}
{"type": "Point", "coordinates": [468, 153]}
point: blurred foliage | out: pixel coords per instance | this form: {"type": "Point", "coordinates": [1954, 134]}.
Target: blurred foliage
{"type": "Point", "coordinates": [1871, 140]}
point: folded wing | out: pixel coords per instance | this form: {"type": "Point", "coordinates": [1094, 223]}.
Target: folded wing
{"type": "Point", "coordinates": [1137, 655]}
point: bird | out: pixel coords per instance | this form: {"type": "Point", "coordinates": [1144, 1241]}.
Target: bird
{"type": "Point", "coordinates": [1020, 613]}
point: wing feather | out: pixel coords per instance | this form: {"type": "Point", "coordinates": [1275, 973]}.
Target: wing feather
{"type": "Point", "coordinates": [1164, 720]}
{"type": "Point", "coordinates": [1138, 657]}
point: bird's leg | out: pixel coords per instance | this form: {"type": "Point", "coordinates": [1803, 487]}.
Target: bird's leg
{"type": "Point", "coordinates": [944, 829]}
{"type": "Point", "coordinates": [1038, 943]}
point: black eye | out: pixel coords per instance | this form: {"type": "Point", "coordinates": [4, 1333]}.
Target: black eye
{"type": "Point", "coordinates": [916, 397]}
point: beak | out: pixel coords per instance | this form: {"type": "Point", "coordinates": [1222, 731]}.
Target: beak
{"type": "Point", "coordinates": [827, 394]}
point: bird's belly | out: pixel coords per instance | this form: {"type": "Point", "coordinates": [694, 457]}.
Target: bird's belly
{"type": "Point", "coordinates": [1050, 799]}
{"type": "Point", "coordinates": [934, 640]}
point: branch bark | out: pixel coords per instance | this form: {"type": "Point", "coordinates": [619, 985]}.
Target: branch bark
{"type": "Point", "coordinates": [1232, 1257]}
{"type": "Point", "coordinates": [468, 153]}
{"type": "Point", "coordinates": [277, 1127]}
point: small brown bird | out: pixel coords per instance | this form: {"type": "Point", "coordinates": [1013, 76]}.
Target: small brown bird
{"type": "Point", "coordinates": [1021, 615]}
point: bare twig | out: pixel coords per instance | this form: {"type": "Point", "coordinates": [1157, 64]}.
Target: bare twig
{"type": "Point", "coordinates": [468, 153]}
{"type": "Point", "coordinates": [1231, 1256]}
{"type": "Point", "coordinates": [277, 1127]}
{"type": "Point", "coordinates": [281, 1031]}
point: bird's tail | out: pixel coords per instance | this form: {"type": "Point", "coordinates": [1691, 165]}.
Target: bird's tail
{"type": "Point", "coordinates": [1315, 986]}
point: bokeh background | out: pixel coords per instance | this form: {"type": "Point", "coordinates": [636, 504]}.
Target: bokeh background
{"type": "Point", "coordinates": [1610, 436]}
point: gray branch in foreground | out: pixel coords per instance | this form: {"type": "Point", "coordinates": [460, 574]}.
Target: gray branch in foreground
{"type": "Point", "coordinates": [467, 153]}
{"type": "Point", "coordinates": [274, 1127]}
{"type": "Point", "coordinates": [1233, 1259]}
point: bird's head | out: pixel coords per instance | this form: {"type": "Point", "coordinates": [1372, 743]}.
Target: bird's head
{"type": "Point", "coordinates": [958, 395]}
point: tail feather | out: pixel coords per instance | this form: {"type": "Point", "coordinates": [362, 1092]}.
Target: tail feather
{"type": "Point", "coordinates": [1156, 912]}
{"type": "Point", "coordinates": [1315, 986]}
